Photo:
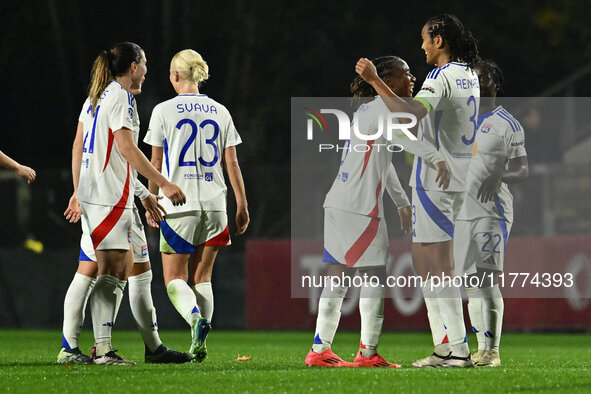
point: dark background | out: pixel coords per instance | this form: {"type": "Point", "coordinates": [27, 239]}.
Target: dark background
{"type": "Point", "coordinates": [260, 54]}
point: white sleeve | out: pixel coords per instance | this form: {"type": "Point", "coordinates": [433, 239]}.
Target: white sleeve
{"type": "Point", "coordinates": [155, 135]}
{"type": "Point", "coordinates": [433, 89]}
{"type": "Point", "coordinates": [232, 136]}
{"type": "Point", "coordinates": [395, 189]}
{"type": "Point", "coordinates": [419, 148]}
{"type": "Point", "coordinates": [121, 113]}
{"type": "Point", "coordinates": [515, 143]}
{"type": "Point", "coordinates": [140, 191]}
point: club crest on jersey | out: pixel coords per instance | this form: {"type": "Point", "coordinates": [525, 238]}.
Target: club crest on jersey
{"type": "Point", "coordinates": [209, 176]}
{"type": "Point", "coordinates": [485, 127]}
{"type": "Point", "coordinates": [144, 250]}
{"type": "Point", "coordinates": [130, 111]}
{"type": "Point", "coordinates": [344, 176]}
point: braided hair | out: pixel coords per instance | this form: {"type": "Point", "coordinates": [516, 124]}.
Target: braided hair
{"type": "Point", "coordinates": [462, 44]}
{"type": "Point", "coordinates": [362, 90]}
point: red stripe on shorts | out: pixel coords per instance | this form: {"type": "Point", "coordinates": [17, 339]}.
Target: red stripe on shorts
{"type": "Point", "coordinates": [221, 239]}
{"type": "Point", "coordinates": [368, 235]}
{"type": "Point", "coordinates": [101, 231]}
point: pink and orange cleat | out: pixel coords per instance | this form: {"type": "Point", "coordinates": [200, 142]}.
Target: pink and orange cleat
{"type": "Point", "coordinates": [326, 359]}
{"type": "Point", "coordinates": [372, 362]}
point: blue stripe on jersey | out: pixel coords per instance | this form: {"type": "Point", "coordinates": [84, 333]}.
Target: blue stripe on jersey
{"type": "Point", "coordinates": [430, 73]}
{"type": "Point", "coordinates": [174, 240]}
{"type": "Point", "coordinates": [83, 256]}
{"type": "Point", "coordinates": [439, 70]}
{"type": "Point", "coordinates": [166, 157]}
{"type": "Point", "coordinates": [481, 118]}
{"type": "Point", "coordinates": [502, 223]}
{"type": "Point", "coordinates": [327, 257]}
{"type": "Point", "coordinates": [438, 116]}
{"type": "Point", "coordinates": [506, 115]}
{"type": "Point", "coordinates": [434, 213]}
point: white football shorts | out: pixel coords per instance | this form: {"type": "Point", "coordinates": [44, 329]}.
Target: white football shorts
{"type": "Point", "coordinates": [109, 227]}
{"type": "Point", "coordinates": [138, 242]}
{"type": "Point", "coordinates": [433, 214]}
{"type": "Point", "coordinates": [182, 232]}
{"type": "Point", "coordinates": [354, 240]}
{"type": "Point", "coordinates": [480, 244]}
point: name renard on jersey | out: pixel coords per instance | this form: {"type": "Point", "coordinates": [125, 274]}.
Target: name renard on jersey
{"type": "Point", "coordinates": [465, 84]}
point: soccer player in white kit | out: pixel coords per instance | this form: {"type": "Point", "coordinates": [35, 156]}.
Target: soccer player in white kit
{"type": "Point", "coordinates": [355, 234]}
{"type": "Point", "coordinates": [106, 176]}
{"type": "Point", "coordinates": [448, 106]}
{"type": "Point", "coordinates": [138, 268]}
{"type": "Point", "coordinates": [191, 136]}
{"type": "Point", "coordinates": [484, 222]}
{"type": "Point", "coordinates": [26, 172]}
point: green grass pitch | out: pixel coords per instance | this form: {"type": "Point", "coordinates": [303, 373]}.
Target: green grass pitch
{"type": "Point", "coordinates": [531, 363]}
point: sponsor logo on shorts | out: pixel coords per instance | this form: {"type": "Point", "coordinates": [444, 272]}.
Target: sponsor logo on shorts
{"type": "Point", "coordinates": [209, 176]}
{"type": "Point", "coordinates": [144, 250]}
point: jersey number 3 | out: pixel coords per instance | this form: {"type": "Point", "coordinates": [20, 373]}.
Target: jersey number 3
{"type": "Point", "coordinates": [208, 141]}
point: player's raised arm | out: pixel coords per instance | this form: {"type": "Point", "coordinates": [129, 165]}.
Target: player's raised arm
{"type": "Point", "coordinates": [26, 172]}
{"type": "Point", "coordinates": [366, 70]}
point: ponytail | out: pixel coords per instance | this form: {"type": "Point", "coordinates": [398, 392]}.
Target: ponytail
{"type": "Point", "coordinates": [110, 64]}
{"type": "Point", "coordinates": [100, 77]}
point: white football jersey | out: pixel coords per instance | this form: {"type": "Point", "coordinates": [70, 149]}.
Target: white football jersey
{"type": "Point", "coordinates": [451, 94]}
{"type": "Point", "coordinates": [499, 139]}
{"type": "Point", "coordinates": [366, 168]}
{"type": "Point", "coordinates": [105, 175]}
{"type": "Point", "coordinates": [193, 130]}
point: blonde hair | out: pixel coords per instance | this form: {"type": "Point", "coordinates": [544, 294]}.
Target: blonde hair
{"type": "Point", "coordinates": [190, 66]}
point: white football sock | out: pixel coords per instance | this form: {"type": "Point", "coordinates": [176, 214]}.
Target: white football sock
{"type": "Point", "coordinates": [121, 286]}
{"type": "Point", "coordinates": [450, 307]}
{"type": "Point", "coordinates": [437, 328]}
{"type": "Point", "coordinates": [103, 305]}
{"type": "Point", "coordinates": [492, 313]}
{"type": "Point", "coordinates": [371, 309]}
{"type": "Point", "coordinates": [183, 299]}
{"type": "Point", "coordinates": [74, 307]}
{"type": "Point", "coordinates": [475, 312]}
{"type": "Point", "coordinates": [142, 308]}
{"type": "Point", "coordinates": [329, 314]}
{"type": "Point", "coordinates": [204, 296]}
